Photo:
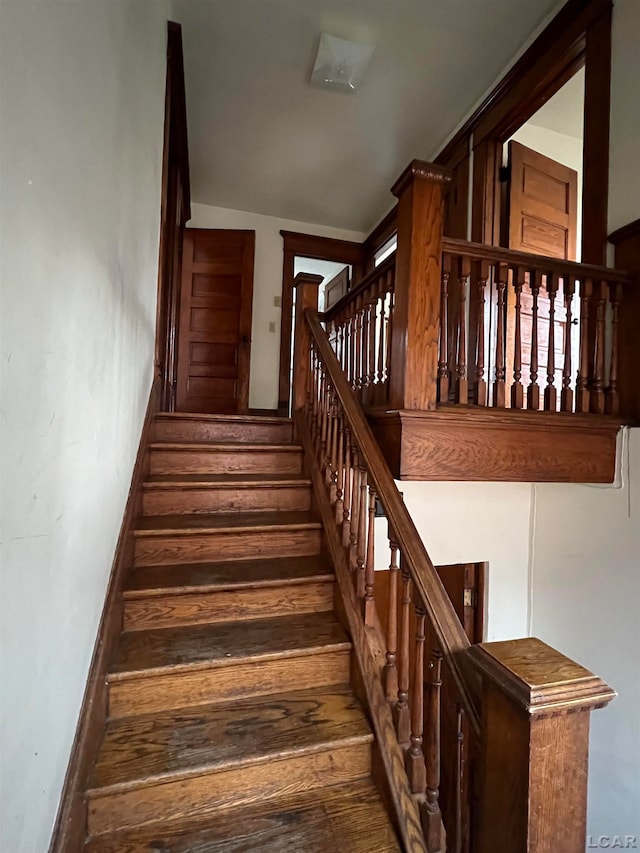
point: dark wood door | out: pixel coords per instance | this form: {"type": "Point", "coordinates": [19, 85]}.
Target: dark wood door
{"type": "Point", "coordinates": [543, 220]}
{"type": "Point", "coordinates": [214, 339]}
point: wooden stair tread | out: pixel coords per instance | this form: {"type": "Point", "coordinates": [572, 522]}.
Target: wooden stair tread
{"type": "Point", "coordinates": [241, 574]}
{"type": "Point", "coordinates": [242, 419]}
{"type": "Point", "coordinates": [217, 522]}
{"type": "Point", "coordinates": [143, 750]}
{"type": "Point", "coordinates": [144, 652]}
{"type": "Point", "coordinates": [221, 480]}
{"type": "Point", "coordinates": [226, 446]}
{"type": "Point", "coordinates": [350, 818]}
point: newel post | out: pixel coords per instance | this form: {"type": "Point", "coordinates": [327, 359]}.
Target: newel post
{"type": "Point", "coordinates": [416, 311]}
{"type": "Point", "coordinates": [536, 705]}
{"type": "Point", "coordinates": [306, 290]}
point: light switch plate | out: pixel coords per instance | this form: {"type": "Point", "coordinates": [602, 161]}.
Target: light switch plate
{"type": "Point", "coordinates": [277, 301]}
{"type": "Point", "coordinates": [272, 327]}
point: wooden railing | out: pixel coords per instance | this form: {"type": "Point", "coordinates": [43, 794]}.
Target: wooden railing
{"type": "Point", "coordinates": [532, 682]}
{"type": "Point", "coordinates": [360, 326]}
{"type": "Point", "coordinates": [528, 332]}
{"type": "Point", "coordinates": [445, 321]}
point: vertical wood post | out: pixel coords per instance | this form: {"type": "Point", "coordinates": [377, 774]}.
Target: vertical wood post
{"type": "Point", "coordinates": [306, 290]}
{"type": "Point", "coordinates": [416, 314]}
{"type": "Point", "coordinates": [536, 705]}
{"type": "Point", "coordinates": [627, 243]}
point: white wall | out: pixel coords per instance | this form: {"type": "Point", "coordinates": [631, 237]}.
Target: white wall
{"type": "Point", "coordinates": [265, 345]}
{"type": "Point", "coordinates": [585, 602]}
{"type": "Point", "coordinates": [80, 158]}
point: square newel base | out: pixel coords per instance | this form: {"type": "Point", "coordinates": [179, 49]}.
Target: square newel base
{"type": "Point", "coordinates": [536, 705]}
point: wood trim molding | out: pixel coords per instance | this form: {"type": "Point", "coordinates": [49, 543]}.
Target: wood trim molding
{"type": "Point", "coordinates": [69, 831]}
{"type": "Point", "coordinates": [627, 232]}
{"type": "Point", "coordinates": [457, 443]}
{"type": "Point", "coordinates": [319, 248]}
{"type": "Point", "coordinates": [175, 73]}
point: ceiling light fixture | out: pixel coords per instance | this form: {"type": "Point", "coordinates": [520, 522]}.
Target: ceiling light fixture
{"type": "Point", "coordinates": [340, 64]}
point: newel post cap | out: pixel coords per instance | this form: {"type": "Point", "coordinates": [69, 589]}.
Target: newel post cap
{"type": "Point", "coordinates": [540, 679]}
{"type": "Point", "coordinates": [304, 278]}
{"type": "Point", "coordinates": [423, 171]}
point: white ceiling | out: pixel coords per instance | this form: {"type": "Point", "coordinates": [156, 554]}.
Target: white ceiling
{"type": "Point", "coordinates": [564, 112]}
{"type": "Point", "coordinates": [262, 139]}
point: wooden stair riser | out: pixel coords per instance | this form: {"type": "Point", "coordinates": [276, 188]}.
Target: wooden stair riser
{"type": "Point", "coordinates": [232, 787]}
{"type": "Point", "coordinates": [169, 499]}
{"type": "Point", "coordinates": [160, 549]}
{"type": "Point", "coordinates": [192, 608]}
{"type": "Point", "coordinates": [230, 460]}
{"type": "Point", "coordinates": [205, 685]}
{"type": "Point", "coordinates": [195, 429]}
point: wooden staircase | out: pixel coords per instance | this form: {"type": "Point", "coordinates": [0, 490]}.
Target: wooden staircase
{"type": "Point", "coordinates": [232, 723]}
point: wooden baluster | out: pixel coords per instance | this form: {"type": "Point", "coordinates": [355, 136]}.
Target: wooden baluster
{"type": "Point", "coordinates": [369, 577]}
{"type": "Point", "coordinates": [331, 446]}
{"type": "Point", "coordinates": [612, 396]}
{"type": "Point", "coordinates": [432, 815]}
{"type": "Point", "coordinates": [339, 469]}
{"type": "Point", "coordinates": [359, 337]}
{"type": "Point", "coordinates": [502, 276]}
{"type": "Point", "coordinates": [352, 351]}
{"type": "Point", "coordinates": [414, 759]}
{"type": "Point", "coordinates": [582, 385]}
{"type": "Point", "coordinates": [391, 670]}
{"type": "Point", "coordinates": [443, 362]}
{"type": "Point", "coordinates": [401, 711]}
{"type": "Point", "coordinates": [346, 515]}
{"type": "Point", "coordinates": [355, 514]}
{"type": "Point", "coordinates": [533, 391]}
{"type": "Point", "coordinates": [596, 404]}
{"type": "Point", "coordinates": [333, 456]}
{"type": "Point", "coordinates": [388, 342]}
{"type": "Point", "coordinates": [361, 550]}
{"type": "Point", "coordinates": [481, 384]}
{"type": "Point", "coordinates": [462, 382]}
{"type": "Point", "coordinates": [372, 345]}
{"type": "Point", "coordinates": [459, 776]}
{"type": "Point", "coordinates": [517, 391]}
{"type": "Point", "coordinates": [380, 314]}
{"type": "Point", "coordinates": [550, 392]}
{"type": "Point", "coordinates": [325, 433]}
{"type": "Point", "coordinates": [566, 395]}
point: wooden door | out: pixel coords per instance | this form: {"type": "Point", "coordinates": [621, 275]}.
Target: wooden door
{"type": "Point", "coordinates": [214, 339]}
{"type": "Point", "coordinates": [336, 288]}
{"type": "Point", "coordinates": [542, 219]}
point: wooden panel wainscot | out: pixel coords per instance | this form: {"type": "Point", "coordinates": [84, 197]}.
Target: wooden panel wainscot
{"type": "Point", "coordinates": [536, 705]}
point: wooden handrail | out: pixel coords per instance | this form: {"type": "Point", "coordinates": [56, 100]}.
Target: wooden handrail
{"type": "Point", "coordinates": [496, 254]}
{"type": "Point", "coordinates": [428, 586]}
{"type": "Point", "coordinates": [362, 285]}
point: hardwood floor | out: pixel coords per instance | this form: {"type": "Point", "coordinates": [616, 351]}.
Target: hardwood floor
{"type": "Point", "coordinates": [232, 724]}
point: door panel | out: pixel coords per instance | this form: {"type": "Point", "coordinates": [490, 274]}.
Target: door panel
{"type": "Point", "coordinates": [542, 219]}
{"type": "Point", "coordinates": [215, 321]}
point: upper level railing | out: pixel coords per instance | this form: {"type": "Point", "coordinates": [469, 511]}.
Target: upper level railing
{"type": "Point", "coordinates": [445, 321]}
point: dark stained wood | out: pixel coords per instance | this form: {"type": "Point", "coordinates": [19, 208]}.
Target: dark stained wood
{"type": "Point", "coordinates": [224, 458]}
{"type": "Point", "coordinates": [214, 338]}
{"type": "Point", "coordinates": [414, 341]}
{"type": "Point", "coordinates": [306, 296]}
{"type": "Point", "coordinates": [535, 741]}
{"type": "Point", "coordinates": [597, 101]}
{"type": "Point", "coordinates": [336, 288]}
{"type": "Point", "coordinates": [70, 827]}
{"type": "Point", "coordinates": [319, 248]}
{"type": "Point", "coordinates": [185, 426]}
{"type": "Point", "coordinates": [194, 493]}
{"type": "Point", "coordinates": [490, 444]}
{"type": "Point", "coordinates": [405, 813]}
{"type": "Point", "coordinates": [175, 211]}
{"type": "Point", "coordinates": [351, 815]}
{"type": "Point", "coordinates": [627, 256]}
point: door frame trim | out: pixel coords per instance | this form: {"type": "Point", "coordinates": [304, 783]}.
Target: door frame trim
{"type": "Point", "coordinates": [174, 206]}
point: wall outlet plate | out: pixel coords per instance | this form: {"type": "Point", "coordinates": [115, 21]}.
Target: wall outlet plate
{"type": "Point", "coordinates": [272, 327]}
{"type": "Point", "coordinates": [277, 301]}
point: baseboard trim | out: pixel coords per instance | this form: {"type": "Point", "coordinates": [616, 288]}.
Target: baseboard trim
{"type": "Point", "coordinates": [69, 830]}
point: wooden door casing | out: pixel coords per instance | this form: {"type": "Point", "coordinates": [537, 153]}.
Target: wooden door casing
{"type": "Point", "coordinates": [214, 339]}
